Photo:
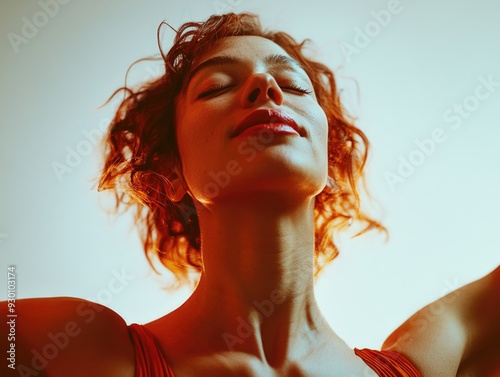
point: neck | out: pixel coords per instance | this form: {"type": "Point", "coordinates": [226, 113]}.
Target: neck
{"type": "Point", "coordinates": [257, 282]}
{"type": "Point", "coordinates": [264, 244]}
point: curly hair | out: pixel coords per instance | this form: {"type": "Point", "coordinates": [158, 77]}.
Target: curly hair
{"type": "Point", "coordinates": [141, 150]}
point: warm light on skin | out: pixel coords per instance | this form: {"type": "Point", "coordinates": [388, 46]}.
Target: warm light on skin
{"type": "Point", "coordinates": [425, 94]}
{"type": "Point", "coordinates": [204, 122]}
{"type": "Point", "coordinates": [257, 234]}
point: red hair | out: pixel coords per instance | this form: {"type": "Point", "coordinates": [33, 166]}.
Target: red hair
{"type": "Point", "coordinates": [141, 150]}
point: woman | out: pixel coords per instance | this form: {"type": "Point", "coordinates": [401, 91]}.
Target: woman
{"type": "Point", "coordinates": [241, 162]}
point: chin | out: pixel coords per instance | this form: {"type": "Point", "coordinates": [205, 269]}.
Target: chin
{"type": "Point", "coordinates": [283, 171]}
{"type": "Point", "coordinates": [276, 183]}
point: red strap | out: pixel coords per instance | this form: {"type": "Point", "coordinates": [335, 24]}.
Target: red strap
{"type": "Point", "coordinates": [387, 363]}
{"type": "Point", "coordinates": [149, 361]}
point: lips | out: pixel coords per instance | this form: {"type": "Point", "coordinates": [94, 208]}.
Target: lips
{"type": "Point", "coordinates": [272, 118]}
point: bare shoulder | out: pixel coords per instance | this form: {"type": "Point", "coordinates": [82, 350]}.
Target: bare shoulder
{"type": "Point", "coordinates": [457, 335]}
{"type": "Point", "coordinates": [64, 336]}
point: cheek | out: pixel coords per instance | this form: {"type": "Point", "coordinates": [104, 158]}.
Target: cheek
{"type": "Point", "coordinates": [197, 124]}
{"type": "Point", "coordinates": [192, 147]}
{"type": "Point", "coordinates": [192, 156]}
{"type": "Point", "coordinates": [320, 128]}
{"type": "Point", "coordinates": [320, 140]}
{"type": "Point", "coordinates": [190, 134]}
{"type": "Point", "coordinates": [188, 143]}
{"type": "Point", "coordinates": [197, 139]}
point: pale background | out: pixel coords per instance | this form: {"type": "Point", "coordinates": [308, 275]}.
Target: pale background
{"type": "Point", "coordinates": [443, 219]}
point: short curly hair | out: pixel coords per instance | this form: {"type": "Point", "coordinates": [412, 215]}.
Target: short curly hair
{"type": "Point", "coordinates": [141, 150]}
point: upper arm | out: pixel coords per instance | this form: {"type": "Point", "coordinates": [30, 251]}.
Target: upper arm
{"type": "Point", "coordinates": [447, 333]}
{"type": "Point", "coordinates": [433, 339]}
{"type": "Point", "coordinates": [480, 312]}
{"type": "Point", "coordinates": [63, 336]}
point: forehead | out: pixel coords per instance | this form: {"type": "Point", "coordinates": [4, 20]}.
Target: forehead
{"type": "Point", "coordinates": [247, 47]}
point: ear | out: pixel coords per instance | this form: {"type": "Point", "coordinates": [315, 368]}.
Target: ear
{"type": "Point", "coordinates": [177, 188]}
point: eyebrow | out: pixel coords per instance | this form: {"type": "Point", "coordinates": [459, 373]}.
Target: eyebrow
{"type": "Point", "coordinates": [274, 60]}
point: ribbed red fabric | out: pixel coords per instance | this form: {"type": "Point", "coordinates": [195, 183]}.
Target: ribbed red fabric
{"type": "Point", "coordinates": [149, 361]}
{"type": "Point", "coordinates": [387, 363]}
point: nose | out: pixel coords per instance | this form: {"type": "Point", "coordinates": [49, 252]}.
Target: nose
{"type": "Point", "coordinates": [261, 88]}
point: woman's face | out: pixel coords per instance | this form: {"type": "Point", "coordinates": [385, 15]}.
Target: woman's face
{"type": "Point", "coordinates": [248, 121]}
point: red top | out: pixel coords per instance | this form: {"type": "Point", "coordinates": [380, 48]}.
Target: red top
{"type": "Point", "coordinates": [150, 362]}
{"type": "Point", "coordinates": [387, 363]}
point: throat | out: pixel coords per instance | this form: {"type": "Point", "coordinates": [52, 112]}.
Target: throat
{"type": "Point", "coordinates": [248, 254]}
{"type": "Point", "coordinates": [257, 284]}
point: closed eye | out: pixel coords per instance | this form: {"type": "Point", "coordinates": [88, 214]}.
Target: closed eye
{"type": "Point", "coordinates": [213, 90]}
{"type": "Point", "coordinates": [296, 88]}
{"type": "Point", "coordinates": [220, 87]}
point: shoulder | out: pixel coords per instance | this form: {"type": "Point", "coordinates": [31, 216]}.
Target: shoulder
{"type": "Point", "coordinates": [64, 335]}
{"type": "Point", "coordinates": [455, 333]}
